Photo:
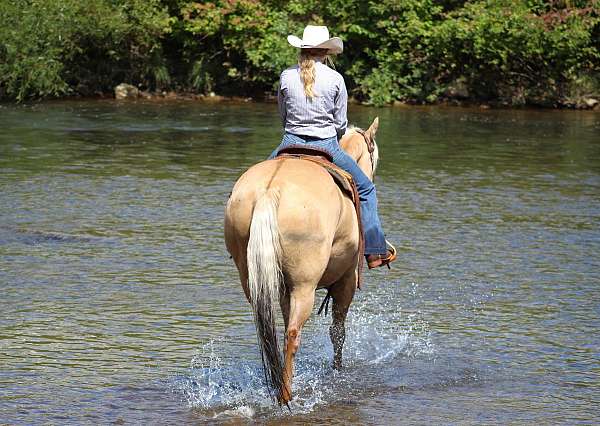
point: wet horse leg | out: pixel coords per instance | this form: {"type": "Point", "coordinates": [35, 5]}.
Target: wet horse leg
{"type": "Point", "coordinates": [300, 305]}
{"type": "Point", "coordinates": [342, 293]}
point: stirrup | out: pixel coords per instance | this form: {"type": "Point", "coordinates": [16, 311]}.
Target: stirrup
{"type": "Point", "coordinates": [393, 254]}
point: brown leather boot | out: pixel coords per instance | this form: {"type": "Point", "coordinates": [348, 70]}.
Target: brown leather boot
{"type": "Point", "coordinates": [377, 260]}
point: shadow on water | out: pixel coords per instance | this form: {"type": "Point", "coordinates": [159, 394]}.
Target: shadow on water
{"type": "Point", "coordinates": [35, 237]}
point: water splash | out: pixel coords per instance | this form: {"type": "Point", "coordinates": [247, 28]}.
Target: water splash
{"type": "Point", "coordinates": [213, 385]}
{"type": "Point", "coordinates": [379, 338]}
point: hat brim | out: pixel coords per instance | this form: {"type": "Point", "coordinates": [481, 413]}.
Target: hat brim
{"type": "Point", "coordinates": [334, 45]}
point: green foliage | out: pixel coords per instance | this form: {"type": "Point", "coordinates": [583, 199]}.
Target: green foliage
{"type": "Point", "coordinates": [242, 43]}
{"type": "Point", "coordinates": [498, 49]}
{"type": "Point", "coordinates": [56, 47]}
{"type": "Point", "coordinates": [512, 51]}
{"type": "Point", "coordinates": [506, 52]}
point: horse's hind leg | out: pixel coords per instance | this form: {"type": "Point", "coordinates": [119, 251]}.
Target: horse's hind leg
{"type": "Point", "coordinates": [342, 293]}
{"type": "Point", "coordinates": [298, 306]}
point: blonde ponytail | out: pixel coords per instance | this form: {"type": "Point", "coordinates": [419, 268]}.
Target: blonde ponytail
{"type": "Point", "coordinates": [306, 61]}
{"type": "Point", "coordinates": [307, 74]}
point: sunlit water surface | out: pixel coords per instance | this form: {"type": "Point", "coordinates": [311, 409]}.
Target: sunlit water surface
{"type": "Point", "coordinates": [119, 303]}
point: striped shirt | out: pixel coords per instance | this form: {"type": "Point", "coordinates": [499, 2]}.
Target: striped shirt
{"type": "Point", "coordinates": [325, 115]}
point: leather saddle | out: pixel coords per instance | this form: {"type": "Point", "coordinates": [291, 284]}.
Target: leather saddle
{"type": "Point", "coordinates": [342, 178]}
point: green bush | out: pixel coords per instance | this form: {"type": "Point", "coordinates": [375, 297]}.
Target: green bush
{"type": "Point", "coordinates": [500, 50]}
{"type": "Point", "coordinates": [506, 52]}
{"type": "Point", "coordinates": [58, 47]}
{"type": "Point", "coordinates": [242, 44]}
{"type": "Point", "coordinates": [510, 51]}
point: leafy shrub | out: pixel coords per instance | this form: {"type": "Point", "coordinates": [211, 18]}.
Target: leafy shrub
{"type": "Point", "coordinates": [242, 44]}
{"type": "Point", "coordinates": [506, 52]}
{"type": "Point", "coordinates": [55, 47]}
{"type": "Point", "coordinates": [512, 51]}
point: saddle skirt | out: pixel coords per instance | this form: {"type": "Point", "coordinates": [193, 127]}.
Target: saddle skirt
{"type": "Point", "coordinates": [343, 180]}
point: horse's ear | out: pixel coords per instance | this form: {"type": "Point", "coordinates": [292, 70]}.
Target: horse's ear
{"type": "Point", "coordinates": [372, 130]}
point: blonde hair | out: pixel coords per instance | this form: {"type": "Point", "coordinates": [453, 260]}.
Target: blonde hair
{"type": "Point", "coordinates": [306, 60]}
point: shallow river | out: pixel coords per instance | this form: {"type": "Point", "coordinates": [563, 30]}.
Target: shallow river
{"type": "Point", "coordinates": [119, 304]}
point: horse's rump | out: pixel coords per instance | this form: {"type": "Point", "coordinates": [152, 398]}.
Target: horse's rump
{"type": "Point", "coordinates": [317, 223]}
{"type": "Point", "coordinates": [345, 182]}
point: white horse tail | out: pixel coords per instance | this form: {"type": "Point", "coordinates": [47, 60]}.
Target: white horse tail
{"type": "Point", "coordinates": [265, 281]}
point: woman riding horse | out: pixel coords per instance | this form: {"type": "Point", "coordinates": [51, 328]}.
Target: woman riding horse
{"type": "Point", "coordinates": [313, 101]}
{"type": "Point", "coordinates": [289, 227]}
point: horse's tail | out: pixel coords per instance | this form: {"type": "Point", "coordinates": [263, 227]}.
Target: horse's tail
{"type": "Point", "coordinates": [265, 281]}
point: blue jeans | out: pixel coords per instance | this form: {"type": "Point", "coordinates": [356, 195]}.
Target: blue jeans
{"type": "Point", "coordinates": [374, 237]}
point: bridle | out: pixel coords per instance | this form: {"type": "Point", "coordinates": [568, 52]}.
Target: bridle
{"type": "Point", "coordinates": [370, 147]}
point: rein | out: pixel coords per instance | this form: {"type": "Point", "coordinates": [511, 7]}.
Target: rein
{"type": "Point", "coordinates": [370, 146]}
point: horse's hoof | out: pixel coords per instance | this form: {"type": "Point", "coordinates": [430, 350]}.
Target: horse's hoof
{"type": "Point", "coordinates": [285, 397]}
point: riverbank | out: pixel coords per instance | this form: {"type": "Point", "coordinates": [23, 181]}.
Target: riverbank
{"type": "Point", "coordinates": [132, 93]}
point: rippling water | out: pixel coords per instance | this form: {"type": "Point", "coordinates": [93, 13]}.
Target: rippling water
{"type": "Point", "coordinates": [119, 303]}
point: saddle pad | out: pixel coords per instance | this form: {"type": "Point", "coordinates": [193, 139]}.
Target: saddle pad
{"type": "Point", "coordinates": [344, 181]}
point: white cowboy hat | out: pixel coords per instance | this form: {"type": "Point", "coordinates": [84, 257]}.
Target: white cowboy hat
{"type": "Point", "coordinates": [317, 37]}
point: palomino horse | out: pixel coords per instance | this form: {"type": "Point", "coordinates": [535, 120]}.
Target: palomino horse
{"type": "Point", "coordinates": [290, 230]}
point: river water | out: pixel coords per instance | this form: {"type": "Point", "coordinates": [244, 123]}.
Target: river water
{"type": "Point", "coordinates": [119, 304]}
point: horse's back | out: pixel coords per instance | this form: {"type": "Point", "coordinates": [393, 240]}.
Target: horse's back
{"type": "Point", "coordinates": [303, 187]}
